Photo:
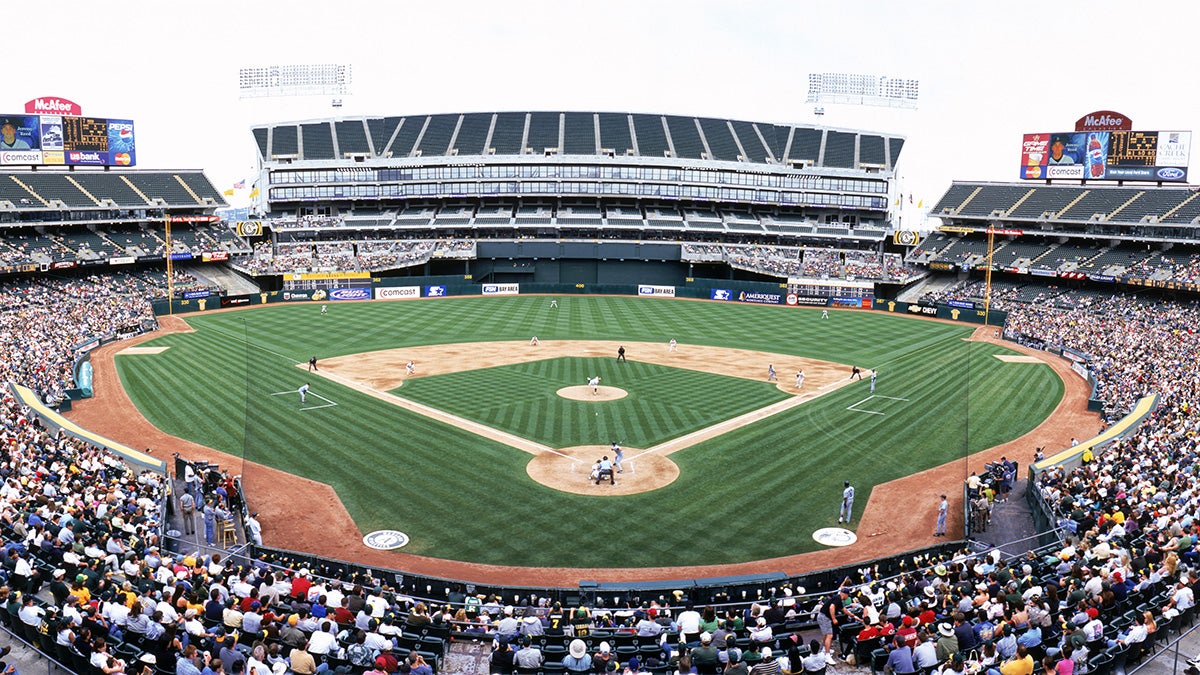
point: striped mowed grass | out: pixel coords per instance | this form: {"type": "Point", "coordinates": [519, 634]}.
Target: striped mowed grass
{"type": "Point", "coordinates": [464, 497]}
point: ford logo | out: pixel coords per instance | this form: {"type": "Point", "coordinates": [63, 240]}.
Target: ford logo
{"type": "Point", "coordinates": [1170, 173]}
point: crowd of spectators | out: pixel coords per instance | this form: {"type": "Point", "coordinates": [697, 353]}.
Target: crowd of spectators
{"type": "Point", "coordinates": [350, 255]}
{"type": "Point", "coordinates": [44, 321]}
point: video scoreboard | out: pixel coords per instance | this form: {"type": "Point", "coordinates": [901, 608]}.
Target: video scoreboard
{"type": "Point", "coordinates": [1158, 156]}
{"type": "Point", "coordinates": [66, 140]}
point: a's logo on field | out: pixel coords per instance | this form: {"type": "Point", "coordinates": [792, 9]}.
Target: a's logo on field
{"type": "Point", "coordinates": [834, 536]}
{"type": "Point", "coordinates": [386, 540]}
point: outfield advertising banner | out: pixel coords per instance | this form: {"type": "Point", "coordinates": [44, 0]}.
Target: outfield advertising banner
{"type": "Point", "coordinates": [397, 292]}
{"type": "Point", "coordinates": [435, 291]}
{"type": "Point", "coordinates": [977, 315]}
{"type": "Point", "coordinates": [760, 298]}
{"type": "Point", "coordinates": [294, 296]}
{"type": "Point", "coordinates": [194, 295]}
{"type": "Point", "coordinates": [647, 290]}
{"type": "Point", "coordinates": [501, 289]}
{"type": "Point", "coordinates": [350, 294]}
{"type": "Point", "coordinates": [1158, 156]}
{"type": "Point", "coordinates": [721, 294]}
{"type": "Point", "coordinates": [797, 300]}
{"type": "Point", "coordinates": [858, 303]}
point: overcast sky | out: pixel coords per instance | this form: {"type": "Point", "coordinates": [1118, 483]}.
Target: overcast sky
{"type": "Point", "coordinates": [989, 72]}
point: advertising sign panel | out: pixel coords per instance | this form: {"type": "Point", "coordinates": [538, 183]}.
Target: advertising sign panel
{"type": "Point", "coordinates": [397, 292]}
{"type": "Point", "coordinates": [501, 289]}
{"type": "Point", "coordinates": [648, 290]}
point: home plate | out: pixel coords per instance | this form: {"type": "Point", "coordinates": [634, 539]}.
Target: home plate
{"type": "Point", "coordinates": [834, 536]}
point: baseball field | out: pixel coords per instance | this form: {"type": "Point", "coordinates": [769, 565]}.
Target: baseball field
{"type": "Point", "coordinates": [483, 453]}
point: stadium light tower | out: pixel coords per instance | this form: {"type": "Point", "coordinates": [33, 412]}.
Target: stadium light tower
{"type": "Point", "coordinates": [306, 79]}
{"type": "Point", "coordinates": [858, 89]}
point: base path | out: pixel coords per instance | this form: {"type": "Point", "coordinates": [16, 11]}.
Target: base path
{"type": "Point", "coordinates": [898, 517]}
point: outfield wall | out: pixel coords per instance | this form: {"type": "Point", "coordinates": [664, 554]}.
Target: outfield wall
{"type": "Point", "coordinates": [648, 285]}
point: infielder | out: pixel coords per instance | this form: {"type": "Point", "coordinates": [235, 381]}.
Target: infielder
{"type": "Point", "coordinates": [303, 392]}
{"type": "Point", "coordinates": [410, 368]}
{"type": "Point", "coordinates": [671, 345]}
{"type": "Point", "coordinates": [771, 377]}
{"type": "Point", "coordinates": [799, 378]}
{"type": "Point", "coordinates": [847, 503]}
{"type": "Point", "coordinates": [873, 381]}
{"type": "Point", "coordinates": [533, 341]}
{"type": "Point", "coordinates": [594, 383]}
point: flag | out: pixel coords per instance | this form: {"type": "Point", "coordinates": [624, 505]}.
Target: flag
{"type": "Point", "coordinates": [228, 193]}
{"type": "Point", "coordinates": [240, 185]}
{"type": "Point", "coordinates": [253, 193]}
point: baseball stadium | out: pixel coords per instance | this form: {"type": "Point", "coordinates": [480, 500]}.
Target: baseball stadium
{"type": "Point", "coordinates": [375, 388]}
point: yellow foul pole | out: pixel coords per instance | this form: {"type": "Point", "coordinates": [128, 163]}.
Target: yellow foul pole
{"type": "Point", "coordinates": [170, 267]}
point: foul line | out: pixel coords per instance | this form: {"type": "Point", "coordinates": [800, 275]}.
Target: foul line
{"type": "Point", "coordinates": [873, 412]}
{"type": "Point", "coordinates": [491, 433]}
{"type": "Point", "coordinates": [328, 403]}
{"type": "Point", "coordinates": [722, 428]}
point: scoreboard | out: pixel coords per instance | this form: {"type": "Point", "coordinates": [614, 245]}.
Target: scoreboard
{"type": "Point", "coordinates": [66, 140]}
{"type": "Point", "coordinates": [1158, 156]}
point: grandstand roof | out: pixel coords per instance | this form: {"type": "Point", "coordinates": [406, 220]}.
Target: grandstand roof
{"type": "Point", "coordinates": [597, 134]}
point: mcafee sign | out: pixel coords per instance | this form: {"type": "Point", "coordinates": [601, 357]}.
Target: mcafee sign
{"type": "Point", "coordinates": [52, 105]}
{"type": "Point", "coordinates": [1104, 120]}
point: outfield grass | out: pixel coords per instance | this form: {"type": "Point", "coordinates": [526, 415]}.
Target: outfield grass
{"type": "Point", "coordinates": [753, 494]}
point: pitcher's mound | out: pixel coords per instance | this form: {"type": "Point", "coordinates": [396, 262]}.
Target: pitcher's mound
{"type": "Point", "coordinates": [569, 470]}
{"type": "Point", "coordinates": [585, 393]}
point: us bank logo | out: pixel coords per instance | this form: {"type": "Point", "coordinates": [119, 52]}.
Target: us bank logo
{"type": "Point", "coordinates": [385, 540]}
